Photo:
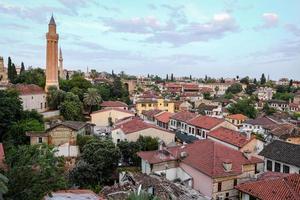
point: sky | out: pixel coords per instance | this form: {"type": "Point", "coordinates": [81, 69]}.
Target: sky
{"type": "Point", "coordinates": [218, 38]}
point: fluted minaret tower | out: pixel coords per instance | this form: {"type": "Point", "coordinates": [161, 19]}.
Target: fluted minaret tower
{"type": "Point", "coordinates": [60, 66]}
{"type": "Point", "coordinates": [52, 55]}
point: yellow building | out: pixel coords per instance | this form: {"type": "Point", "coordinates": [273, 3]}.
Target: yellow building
{"type": "Point", "coordinates": [160, 104]}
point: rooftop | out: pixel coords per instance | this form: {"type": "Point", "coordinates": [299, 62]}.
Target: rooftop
{"type": "Point", "coordinates": [275, 186]}
{"type": "Point", "coordinates": [210, 163]}
{"type": "Point", "coordinates": [112, 109]}
{"type": "Point", "coordinates": [229, 136]}
{"type": "Point", "coordinates": [205, 122]}
{"type": "Point", "coordinates": [184, 116]}
{"type": "Point", "coordinates": [237, 117]}
{"type": "Point", "coordinates": [113, 104]}
{"type": "Point", "coordinates": [163, 117]}
{"type": "Point", "coordinates": [28, 89]}
{"type": "Point", "coordinates": [283, 152]}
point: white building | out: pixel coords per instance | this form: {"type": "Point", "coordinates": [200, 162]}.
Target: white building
{"type": "Point", "coordinates": [33, 97]}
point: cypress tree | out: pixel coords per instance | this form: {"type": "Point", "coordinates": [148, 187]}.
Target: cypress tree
{"type": "Point", "coordinates": [67, 76]}
{"type": "Point", "coordinates": [172, 77]}
{"type": "Point", "coordinates": [22, 68]}
{"type": "Point", "coordinates": [167, 77]}
{"type": "Point", "coordinates": [263, 79]}
{"type": "Point", "coordinates": [13, 73]}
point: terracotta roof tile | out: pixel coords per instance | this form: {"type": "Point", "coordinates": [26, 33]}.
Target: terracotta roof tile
{"type": "Point", "coordinates": [184, 116]}
{"type": "Point", "coordinates": [113, 109]}
{"type": "Point", "coordinates": [237, 117]}
{"type": "Point", "coordinates": [209, 163]}
{"type": "Point", "coordinates": [275, 187]}
{"type": "Point", "coordinates": [229, 136]}
{"type": "Point", "coordinates": [113, 104]}
{"type": "Point", "coordinates": [205, 122]}
{"type": "Point", "coordinates": [151, 113]}
{"type": "Point", "coordinates": [136, 125]}
{"type": "Point", "coordinates": [163, 117]}
{"type": "Point", "coordinates": [27, 89]}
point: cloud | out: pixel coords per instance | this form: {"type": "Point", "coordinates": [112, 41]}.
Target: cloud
{"type": "Point", "coordinates": [177, 13]}
{"type": "Point", "coordinates": [270, 20]}
{"type": "Point", "coordinates": [38, 14]}
{"type": "Point", "coordinates": [73, 5]}
{"type": "Point", "coordinates": [134, 25]}
{"type": "Point", "coordinates": [293, 29]}
{"type": "Point", "coordinates": [194, 32]}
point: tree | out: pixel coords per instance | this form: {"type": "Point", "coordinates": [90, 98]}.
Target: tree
{"type": "Point", "coordinates": [71, 108]}
{"type": "Point", "coordinates": [33, 172]}
{"type": "Point", "coordinates": [172, 77]}
{"type": "Point", "coordinates": [128, 151]}
{"type": "Point", "coordinates": [250, 89]}
{"type": "Point", "coordinates": [167, 77]}
{"type": "Point", "coordinates": [22, 68]}
{"type": "Point", "coordinates": [104, 91]}
{"type": "Point", "coordinates": [55, 97]}
{"type": "Point", "coordinates": [217, 90]}
{"type": "Point", "coordinates": [91, 98]}
{"type": "Point", "coordinates": [32, 76]}
{"type": "Point", "coordinates": [243, 106]}
{"type": "Point", "coordinates": [97, 164]}
{"type": "Point", "coordinates": [263, 79]}
{"type": "Point", "coordinates": [67, 76]}
{"type": "Point", "coordinates": [12, 72]}
{"type": "Point", "coordinates": [228, 95]}
{"type": "Point", "coordinates": [147, 143]}
{"type": "Point", "coordinates": [245, 80]}
{"type": "Point", "coordinates": [268, 110]}
{"type": "Point", "coordinates": [234, 88]}
{"type": "Point", "coordinates": [206, 95]}
{"type": "Point", "coordinates": [16, 134]}
{"type": "Point", "coordinates": [10, 108]}
{"type": "Point", "coordinates": [255, 81]}
{"type": "Point", "coordinates": [3, 185]}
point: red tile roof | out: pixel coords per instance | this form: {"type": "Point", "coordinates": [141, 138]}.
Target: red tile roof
{"type": "Point", "coordinates": [229, 136]}
{"type": "Point", "coordinates": [237, 117]}
{"type": "Point", "coordinates": [136, 125]}
{"type": "Point", "coordinates": [151, 113]}
{"type": "Point", "coordinates": [163, 117]}
{"type": "Point", "coordinates": [205, 122]}
{"type": "Point", "coordinates": [113, 109]}
{"type": "Point", "coordinates": [113, 104]}
{"type": "Point", "coordinates": [205, 89]}
{"type": "Point", "coordinates": [205, 156]}
{"type": "Point", "coordinates": [184, 116]}
{"type": "Point", "coordinates": [272, 186]}
{"type": "Point", "coordinates": [27, 89]}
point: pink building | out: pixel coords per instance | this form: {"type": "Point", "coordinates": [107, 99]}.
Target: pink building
{"type": "Point", "coordinates": [206, 166]}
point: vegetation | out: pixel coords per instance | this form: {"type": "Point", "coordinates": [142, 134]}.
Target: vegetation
{"type": "Point", "coordinates": [141, 195]}
{"type": "Point", "coordinates": [263, 79]}
{"type": "Point", "coordinates": [91, 98]}
{"type": "Point", "coordinates": [243, 106]}
{"type": "Point", "coordinates": [234, 88]}
{"type": "Point", "coordinates": [32, 76]}
{"type": "Point", "coordinates": [98, 162]}
{"type": "Point", "coordinates": [268, 110]}
{"type": "Point", "coordinates": [71, 108]}
{"type": "Point", "coordinates": [33, 172]}
{"type": "Point", "coordinates": [3, 185]}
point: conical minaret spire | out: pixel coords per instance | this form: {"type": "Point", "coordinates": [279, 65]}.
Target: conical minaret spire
{"type": "Point", "coordinates": [60, 67]}
{"type": "Point", "coordinates": [52, 55]}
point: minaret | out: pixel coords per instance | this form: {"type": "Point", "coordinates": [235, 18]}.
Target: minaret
{"type": "Point", "coordinates": [60, 67]}
{"type": "Point", "coordinates": [52, 56]}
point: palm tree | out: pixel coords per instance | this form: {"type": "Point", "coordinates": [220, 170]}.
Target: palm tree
{"type": "Point", "coordinates": [217, 90]}
{"type": "Point", "coordinates": [92, 98]}
{"type": "Point", "coordinates": [3, 186]}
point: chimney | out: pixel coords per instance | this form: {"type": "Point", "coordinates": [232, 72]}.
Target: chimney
{"type": "Point", "coordinates": [227, 164]}
{"type": "Point", "coordinates": [247, 154]}
{"type": "Point", "coordinates": [183, 154]}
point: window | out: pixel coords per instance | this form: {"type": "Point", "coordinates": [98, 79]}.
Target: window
{"type": "Point", "coordinates": [40, 140]}
{"type": "Point", "coordinates": [269, 165]}
{"type": "Point", "coordinates": [219, 186]}
{"type": "Point", "coordinates": [234, 182]}
{"type": "Point", "coordinates": [286, 169]}
{"type": "Point", "coordinates": [41, 105]}
{"type": "Point", "coordinates": [118, 140]}
{"type": "Point", "coordinates": [277, 167]}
